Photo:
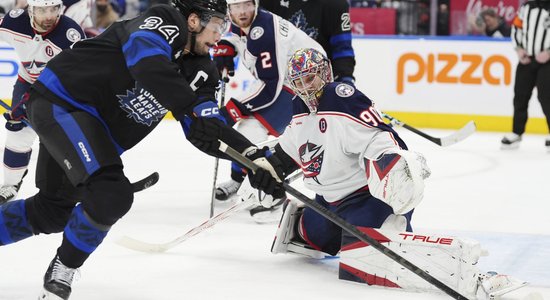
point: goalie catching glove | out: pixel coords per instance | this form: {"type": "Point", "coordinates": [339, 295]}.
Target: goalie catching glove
{"type": "Point", "coordinates": [269, 175]}
{"type": "Point", "coordinates": [397, 178]}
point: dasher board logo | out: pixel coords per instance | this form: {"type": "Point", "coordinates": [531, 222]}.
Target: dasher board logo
{"type": "Point", "coordinates": [141, 106]}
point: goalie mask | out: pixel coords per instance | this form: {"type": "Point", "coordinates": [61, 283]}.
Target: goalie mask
{"type": "Point", "coordinates": [44, 14]}
{"type": "Point", "coordinates": [308, 73]}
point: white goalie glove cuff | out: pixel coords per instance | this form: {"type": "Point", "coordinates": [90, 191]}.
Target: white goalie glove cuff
{"type": "Point", "coordinates": [397, 178]}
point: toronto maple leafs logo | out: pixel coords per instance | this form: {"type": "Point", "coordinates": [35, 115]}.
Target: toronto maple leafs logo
{"type": "Point", "coordinates": [141, 106]}
{"type": "Point", "coordinates": [311, 158]}
{"type": "Point", "coordinates": [299, 20]}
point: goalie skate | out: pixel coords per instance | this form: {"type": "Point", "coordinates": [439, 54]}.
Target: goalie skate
{"type": "Point", "coordinates": [493, 285]}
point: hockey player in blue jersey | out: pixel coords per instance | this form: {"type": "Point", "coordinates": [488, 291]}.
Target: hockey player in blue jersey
{"type": "Point", "coordinates": [37, 34]}
{"type": "Point", "coordinates": [264, 43]}
{"type": "Point", "coordinates": [360, 169]}
{"type": "Point", "coordinates": [99, 99]}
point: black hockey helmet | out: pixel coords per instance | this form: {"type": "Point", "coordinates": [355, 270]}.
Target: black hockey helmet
{"type": "Point", "coordinates": [205, 9]}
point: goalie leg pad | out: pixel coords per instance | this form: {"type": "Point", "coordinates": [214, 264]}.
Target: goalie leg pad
{"type": "Point", "coordinates": [288, 239]}
{"type": "Point", "coordinates": [397, 178]}
{"type": "Point", "coordinates": [359, 209]}
{"type": "Point", "coordinates": [451, 260]}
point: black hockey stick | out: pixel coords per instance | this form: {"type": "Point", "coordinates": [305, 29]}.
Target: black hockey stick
{"type": "Point", "coordinates": [348, 227]}
{"type": "Point", "coordinates": [146, 182]}
{"type": "Point", "coordinates": [452, 139]}
{"type": "Point", "coordinates": [221, 102]}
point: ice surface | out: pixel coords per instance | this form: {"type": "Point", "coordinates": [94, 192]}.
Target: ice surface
{"type": "Point", "coordinates": [499, 197]}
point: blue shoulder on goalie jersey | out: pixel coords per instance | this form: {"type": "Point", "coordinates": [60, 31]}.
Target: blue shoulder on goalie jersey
{"type": "Point", "coordinates": [345, 98]}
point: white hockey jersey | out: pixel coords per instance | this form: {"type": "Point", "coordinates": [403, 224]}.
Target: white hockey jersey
{"type": "Point", "coordinates": [330, 145]}
{"type": "Point", "coordinates": [35, 49]}
{"type": "Point", "coordinates": [80, 11]}
{"type": "Point", "coordinates": [265, 52]}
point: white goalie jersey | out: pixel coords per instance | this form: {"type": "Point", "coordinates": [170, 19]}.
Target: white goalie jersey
{"type": "Point", "coordinates": [333, 143]}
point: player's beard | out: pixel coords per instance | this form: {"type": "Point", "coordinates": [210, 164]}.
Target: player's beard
{"type": "Point", "coordinates": [45, 26]}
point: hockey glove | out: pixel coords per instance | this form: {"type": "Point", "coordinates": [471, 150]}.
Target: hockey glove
{"type": "Point", "coordinates": [204, 128]}
{"type": "Point", "coordinates": [397, 178]}
{"type": "Point", "coordinates": [268, 177]}
{"type": "Point", "coordinates": [347, 79]}
{"type": "Point", "coordinates": [224, 53]}
{"type": "Point", "coordinates": [17, 114]}
{"type": "Point", "coordinates": [234, 111]}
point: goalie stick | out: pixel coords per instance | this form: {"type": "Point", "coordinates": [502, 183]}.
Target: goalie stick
{"type": "Point", "coordinates": [348, 227]}
{"type": "Point", "coordinates": [449, 140]}
{"type": "Point", "coordinates": [141, 246]}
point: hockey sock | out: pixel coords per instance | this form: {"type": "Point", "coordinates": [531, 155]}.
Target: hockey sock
{"type": "Point", "coordinates": [14, 225]}
{"type": "Point", "coordinates": [15, 165]}
{"type": "Point", "coordinates": [81, 237]}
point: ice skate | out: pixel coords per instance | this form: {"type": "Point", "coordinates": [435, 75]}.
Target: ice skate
{"type": "Point", "coordinates": [9, 192]}
{"type": "Point", "coordinates": [510, 141]}
{"type": "Point", "coordinates": [227, 189]}
{"type": "Point", "coordinates": [262, 214]}
{"type": "Point", "coordinates": [493, 285]}
{"type": "Point", "coordinates": [57, 281]}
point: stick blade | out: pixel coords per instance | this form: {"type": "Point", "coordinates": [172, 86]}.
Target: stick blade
{"type": "Point", "coordinates": [131, 243]}
{"type": "Point", "coordinates": [459, 135]}
{"type": "Point", "coordinates": [146, 182]}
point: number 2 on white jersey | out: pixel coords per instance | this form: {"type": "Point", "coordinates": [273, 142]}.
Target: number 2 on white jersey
{"type": "Point", "coordinates": [266, 60]}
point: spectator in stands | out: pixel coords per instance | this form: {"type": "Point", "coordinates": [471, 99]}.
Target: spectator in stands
{"type": "Point", "coordinates": [494, 25]}
{"type": "Point", "coordinates": [442, 19]}
{"type": "Point", "coordinates": [105, 15]}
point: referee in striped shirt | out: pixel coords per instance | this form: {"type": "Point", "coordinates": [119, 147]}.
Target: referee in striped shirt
{"type": "Point", "coordinates": [531, 38]}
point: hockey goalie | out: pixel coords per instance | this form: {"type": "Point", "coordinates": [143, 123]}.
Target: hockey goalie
{"type": "Point", "coordinates": [360, 169]}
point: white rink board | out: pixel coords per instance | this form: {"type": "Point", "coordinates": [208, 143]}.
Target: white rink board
{"type": "Point", "coordinates": [379, 72]}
